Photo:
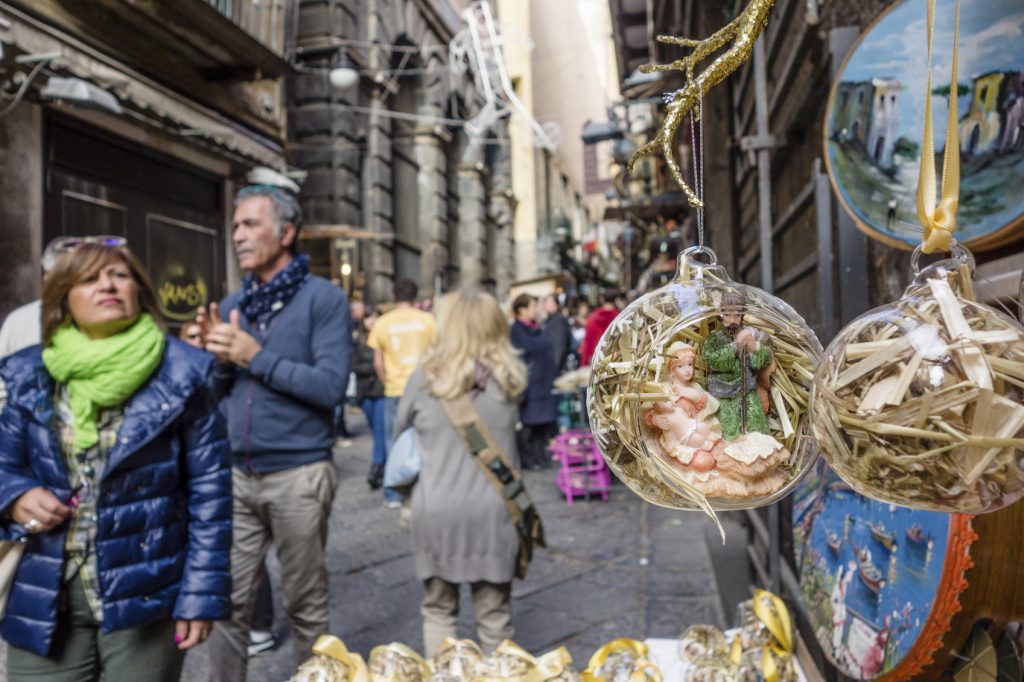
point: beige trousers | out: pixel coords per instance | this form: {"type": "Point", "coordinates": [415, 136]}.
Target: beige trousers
{"type": "Point", "coordinates": [492, 603]}
{"type": "Point", "coordinates": [289, 509]}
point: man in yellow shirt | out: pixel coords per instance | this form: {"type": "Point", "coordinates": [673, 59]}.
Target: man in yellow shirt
{"type": "Point", "coordinates": [399, 339]}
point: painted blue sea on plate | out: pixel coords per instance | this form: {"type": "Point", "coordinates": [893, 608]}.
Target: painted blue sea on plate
{"type": "Point", "coordinates": [869, 572]}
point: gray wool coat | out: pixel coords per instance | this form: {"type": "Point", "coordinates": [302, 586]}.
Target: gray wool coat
{"type": "Point", "coordinates": [461, 530]}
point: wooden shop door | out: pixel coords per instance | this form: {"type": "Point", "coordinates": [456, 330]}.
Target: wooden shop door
{"type": "Point", "coordinates": [171, 214]}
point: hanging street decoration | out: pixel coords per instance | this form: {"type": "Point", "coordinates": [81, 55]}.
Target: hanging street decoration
{"type": "Point", "coordinates": [479, 47]}
{"type": "Point", "coordinates": [742, 32]}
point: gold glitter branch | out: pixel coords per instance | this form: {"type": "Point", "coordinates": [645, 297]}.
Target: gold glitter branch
{"type": "Point", "coordinates": [742, 32]}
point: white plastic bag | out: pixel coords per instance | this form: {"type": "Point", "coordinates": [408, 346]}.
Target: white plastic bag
{"type": "Point", "coordinates": [403, 465]}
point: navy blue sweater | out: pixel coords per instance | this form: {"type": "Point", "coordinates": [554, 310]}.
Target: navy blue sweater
{"type": "Point", "coordinates": [279, 409]}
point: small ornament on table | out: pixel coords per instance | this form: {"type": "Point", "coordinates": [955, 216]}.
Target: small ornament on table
{"type": "Point", "coordinates": [331, 662]}
{"type": "Point", "coordinates": [699, 641]}
{"type": "Point", "coordinates": [710, 668]}
{"type": "Point", "coordinates": [456, 660]}
{"type": "Point", "coordinates": [397, 663]}
{"type": "Point", "coordinates": [621, 660]}
{"type": "Point", "coordinates": [512, 663]}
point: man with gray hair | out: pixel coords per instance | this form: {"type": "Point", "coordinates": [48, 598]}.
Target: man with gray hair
{"type": "Point", "coordinates": [283, 346]}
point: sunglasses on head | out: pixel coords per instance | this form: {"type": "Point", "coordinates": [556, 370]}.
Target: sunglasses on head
{"type": "Point", "coordinates": [66, 244]}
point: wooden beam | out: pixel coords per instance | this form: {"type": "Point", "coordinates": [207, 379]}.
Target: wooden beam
{"type": "Point", "coordinates": [342, 232]}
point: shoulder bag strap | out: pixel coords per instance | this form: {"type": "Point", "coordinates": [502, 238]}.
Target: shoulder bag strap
{"type": "Point", "coordinates": [477, 438]}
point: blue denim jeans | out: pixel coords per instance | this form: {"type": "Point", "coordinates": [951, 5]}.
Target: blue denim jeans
{"type": "Point", "coordinates": [390, 412]}
{"type": "Point", "coordinates": [374, 408]}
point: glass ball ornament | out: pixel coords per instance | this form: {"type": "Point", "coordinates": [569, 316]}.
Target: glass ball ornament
{"type": "Point", "coordinates": [920, 403]}
{"type": "Point", "coordinates": [396, 662]}
{"type": "Point", "coordinates": [698, 641]}
{"type": "Point", "coordinates": [709, 668]}
{"type": "Point", "coordinates": [455, 660]}
{"type": "Point", "coordinates": [699, 392]}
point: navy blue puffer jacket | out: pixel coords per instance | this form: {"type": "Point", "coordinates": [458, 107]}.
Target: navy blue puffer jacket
{"type": "Point", "coordinates": [163, 539]}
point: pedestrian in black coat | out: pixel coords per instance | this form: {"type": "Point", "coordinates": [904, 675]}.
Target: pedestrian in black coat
{"type": "Point", "coordinates": [539, 407]}
{"type": "Point", "coordinates": [556, 329]}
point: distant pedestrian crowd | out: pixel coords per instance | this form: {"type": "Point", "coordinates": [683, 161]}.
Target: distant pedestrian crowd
{"type": "Point", "coordinates": [144, 476]}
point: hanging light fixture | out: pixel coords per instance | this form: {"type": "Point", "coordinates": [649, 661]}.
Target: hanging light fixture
{"type": "Point", "coordinates": [345, 75]}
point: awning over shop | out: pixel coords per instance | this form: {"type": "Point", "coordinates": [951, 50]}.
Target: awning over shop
{"type": "Point", "coordinates": [149, 101]}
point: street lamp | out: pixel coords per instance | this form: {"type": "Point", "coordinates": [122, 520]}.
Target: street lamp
{"type": "Point", "coordinates": [344, 76]}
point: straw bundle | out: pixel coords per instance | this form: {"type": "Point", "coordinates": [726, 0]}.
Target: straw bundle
{"type": "Point", "coordinates": [919, 403]}
{"type": "Point", "coordinates": [630, 367]}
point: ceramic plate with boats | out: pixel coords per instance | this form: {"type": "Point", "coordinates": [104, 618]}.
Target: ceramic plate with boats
{"type": "Point", "coordinates": [869, 572]}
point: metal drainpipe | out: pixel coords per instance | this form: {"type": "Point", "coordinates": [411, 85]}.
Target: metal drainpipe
{"type": "Point", "coordinates": [373, 142]}
{"type": "Point", "coordinates": [764, 216]}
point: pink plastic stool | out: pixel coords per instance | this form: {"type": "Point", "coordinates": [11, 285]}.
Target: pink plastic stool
{"type": "Point", "coordinates": [583, 470]}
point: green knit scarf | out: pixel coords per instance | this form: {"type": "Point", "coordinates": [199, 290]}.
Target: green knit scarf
{"type": "Point", "coordinates": [102, 372]}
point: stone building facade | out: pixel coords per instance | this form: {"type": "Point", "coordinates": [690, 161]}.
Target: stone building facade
{"type": "Point", "coordinates": [391, 156]}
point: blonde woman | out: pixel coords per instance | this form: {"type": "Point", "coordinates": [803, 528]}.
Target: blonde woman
{"type": "Point", "coordinates": [461, 529]}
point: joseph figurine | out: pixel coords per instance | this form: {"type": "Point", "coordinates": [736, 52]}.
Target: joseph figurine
{"type": "Point", "coordinates": [730, 379]}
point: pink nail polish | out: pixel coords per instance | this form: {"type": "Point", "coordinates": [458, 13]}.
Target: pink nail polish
{"type": "Point", "coordinates": [178, 638]}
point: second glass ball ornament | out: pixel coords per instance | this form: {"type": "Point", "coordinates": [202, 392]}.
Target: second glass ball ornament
{"type": "Point", "coordinates": [919, 402]}
{"type": "Point", "coordinates": [699, 392]}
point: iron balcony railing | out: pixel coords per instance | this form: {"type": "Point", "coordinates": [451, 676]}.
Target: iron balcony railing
{"type": "Point", "coordinates": [264, 20]}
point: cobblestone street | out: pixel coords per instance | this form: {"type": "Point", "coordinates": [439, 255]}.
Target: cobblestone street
{"type": "Point", "coordinates": [622, 568]}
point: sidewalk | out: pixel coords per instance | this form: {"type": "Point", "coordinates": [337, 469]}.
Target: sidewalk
{"type": "Point", "coordinates": [618, 569]}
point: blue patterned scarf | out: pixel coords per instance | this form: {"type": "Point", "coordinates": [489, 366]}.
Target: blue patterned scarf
{"type": "Point", "coordinates": [260, 300]}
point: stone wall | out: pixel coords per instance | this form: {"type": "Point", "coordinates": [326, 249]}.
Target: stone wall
{"type": "Point", "coordinates": [348, 143]}
{"type": "Point", "coordinates": [21, 211]}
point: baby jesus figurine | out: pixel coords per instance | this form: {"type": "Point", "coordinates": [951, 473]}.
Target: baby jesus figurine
{"type": "Point", "coordinates": [689, 430]}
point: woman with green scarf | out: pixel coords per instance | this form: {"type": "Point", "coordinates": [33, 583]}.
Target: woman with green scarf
{"type": "Point", "coordinates": [114, 472]}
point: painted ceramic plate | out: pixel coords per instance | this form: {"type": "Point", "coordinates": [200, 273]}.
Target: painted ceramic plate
{"type": "Point", "coordinates": [875, 113]}
{"type": "Point", "coordinates": [874, 575]}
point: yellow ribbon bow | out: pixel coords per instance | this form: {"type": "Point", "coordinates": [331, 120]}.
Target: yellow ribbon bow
{"type": "Point", "coordinates": [332, 648]}
{"type": "Point", "coordinates": [772, 611]}
{"type": "Point", "coordinates": [939, 222]}
{"type": "Point", "coordinates": [554, 664]}
{"type": "Point", "coordinates": [642, 671]}
{"type": "Point", "coordinates": [509, 663]}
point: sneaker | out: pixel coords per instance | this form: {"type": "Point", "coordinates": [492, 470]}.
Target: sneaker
{"type": "Point", "coordinates": [376, 477]}
{"type": "Point", "coordinates": [393, 504]}
{"type": "Point", "coordinates": [260, 641]}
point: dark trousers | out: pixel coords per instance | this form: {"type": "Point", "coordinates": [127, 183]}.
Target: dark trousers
{"type": "Point", "coordinates": [532, 440]}
{"type": "Point", "coordinates": [263, 607]}
{"type": "Point", "coordinates": [81, 652]}
{"type": "Point", "coordinates": [390, 414]}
